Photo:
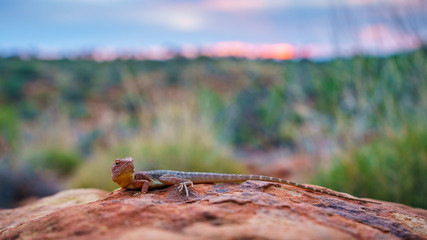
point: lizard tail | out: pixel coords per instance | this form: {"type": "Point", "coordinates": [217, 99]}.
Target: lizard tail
{"type": "Point", "coordinates": [198, 177]}
{"type": "Point", "coordinates": [279, 180]}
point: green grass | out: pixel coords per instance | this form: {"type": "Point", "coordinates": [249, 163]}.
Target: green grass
{"type": "Point", "coordinates": [390, 168]}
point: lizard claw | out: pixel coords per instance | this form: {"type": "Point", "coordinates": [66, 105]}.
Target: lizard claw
{"type": "Point", "coordinates": [183, 186]}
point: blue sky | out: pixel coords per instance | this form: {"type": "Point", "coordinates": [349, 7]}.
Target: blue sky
{"type": "Point", "coordinates": [73, 25]}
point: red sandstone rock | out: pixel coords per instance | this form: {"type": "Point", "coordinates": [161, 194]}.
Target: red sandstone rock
{"type": "Point", "coordinates": [252, 210]}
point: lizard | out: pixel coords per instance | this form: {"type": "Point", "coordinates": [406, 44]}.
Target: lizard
{"type": "Point", "coordinates": [124, 174]}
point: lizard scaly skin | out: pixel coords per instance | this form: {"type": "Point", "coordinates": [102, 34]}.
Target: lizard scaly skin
{"type": "Point", "coordinates": [123, 173]}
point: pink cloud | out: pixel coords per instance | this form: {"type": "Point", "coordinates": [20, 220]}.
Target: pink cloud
{"type": "Point", "coordinates": [241, 5]}
{"type": "Point", "coordinates": [381, 38]}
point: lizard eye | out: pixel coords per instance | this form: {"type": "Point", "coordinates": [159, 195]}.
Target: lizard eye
{"type": "Point", "coordinates": [117, 163]}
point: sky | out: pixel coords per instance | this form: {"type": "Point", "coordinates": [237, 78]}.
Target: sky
{"type": "Point", "coordinates": [312, 26]}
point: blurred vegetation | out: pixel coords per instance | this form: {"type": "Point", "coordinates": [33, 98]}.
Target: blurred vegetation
{"type": "Point", "coordinates": [58, 161]}
{"type": "Point", "coordinates": [390, 168]}
{"type": "Point", "coordinates": [74, 117]}
{"type": "Point", "coordinates": [9, 125]}
{"type": "Point", "coordinates": [179, 140]}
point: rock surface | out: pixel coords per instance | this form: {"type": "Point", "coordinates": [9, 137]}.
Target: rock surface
{"type": "Point", "coordinates": [252, 210]}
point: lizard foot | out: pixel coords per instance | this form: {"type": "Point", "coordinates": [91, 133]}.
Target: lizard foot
{"type": "Point", "coordinates": [184, 186]}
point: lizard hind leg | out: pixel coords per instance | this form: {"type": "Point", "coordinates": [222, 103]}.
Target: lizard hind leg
{"type": "Point", "coordinates": [170, 179]}
{"type": "Point", "coordinates": [183, 185]}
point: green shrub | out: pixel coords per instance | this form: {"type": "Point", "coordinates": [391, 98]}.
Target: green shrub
{"type": "Point", "coordinates": [29, 110]}
{"type": "Point", "coordinates": [59, 161]}
{"type": "Point", "coordinates": [254, 118]}
{"type": "Point", "coordinates": [391, 169]}
{"type": "Point", "coordinates": [9, 125]}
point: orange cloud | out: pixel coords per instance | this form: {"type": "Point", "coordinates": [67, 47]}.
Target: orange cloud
{"type": "Point", "coordinates": [279, 51]}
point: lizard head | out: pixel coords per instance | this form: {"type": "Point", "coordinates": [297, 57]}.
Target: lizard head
{"type": "Point", "coordinates": [122, 171]}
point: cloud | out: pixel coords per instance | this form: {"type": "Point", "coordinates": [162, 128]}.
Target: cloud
{"type": "Point", "coordinates": [242, 5]}
{"type": "Point", "coordinates": [170, 15]}
{"type": "Point", "coordinates": [262, 5]}
{"type": "Point", "coordinates": [376, 2]}
{"type": "Point", "coordinates": [383, 39]}
{"type": "Point", "coordinates": [278, 51]}
{"type": "Point", "coordinates": [182, 20]}
{"type": "Point", "coordinates": [98, 2]}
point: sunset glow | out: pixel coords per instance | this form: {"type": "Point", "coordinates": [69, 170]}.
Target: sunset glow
{"type": "Point", "coordinates": [280, 51]}
{"type": "Point", "coordinates": [252, 29]}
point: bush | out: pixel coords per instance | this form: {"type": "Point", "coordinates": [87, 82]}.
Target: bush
{"type": "Point", "coordinates": [254, 118]}
{"type": "Point", "coordinates": [59, 161]}
{"type": "Point", "coordinates": [9, 125]}
{"type": "Point", "coordinates": [391, 169]}
{"type": "Point", "coordinates": [29, 110]}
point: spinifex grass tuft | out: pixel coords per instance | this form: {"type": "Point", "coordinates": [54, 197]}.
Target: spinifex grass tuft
{"type": "Point", "coordinates": [390, 169]}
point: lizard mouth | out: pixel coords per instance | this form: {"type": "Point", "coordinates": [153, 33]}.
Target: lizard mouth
{"type": "Point", "coordinates": [124, 173]}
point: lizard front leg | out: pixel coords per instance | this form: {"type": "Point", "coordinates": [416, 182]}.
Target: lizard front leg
{"type": "Point", "coordinates": [143, 184]}
{"type": "Point", "coordinates": [170, 179]}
